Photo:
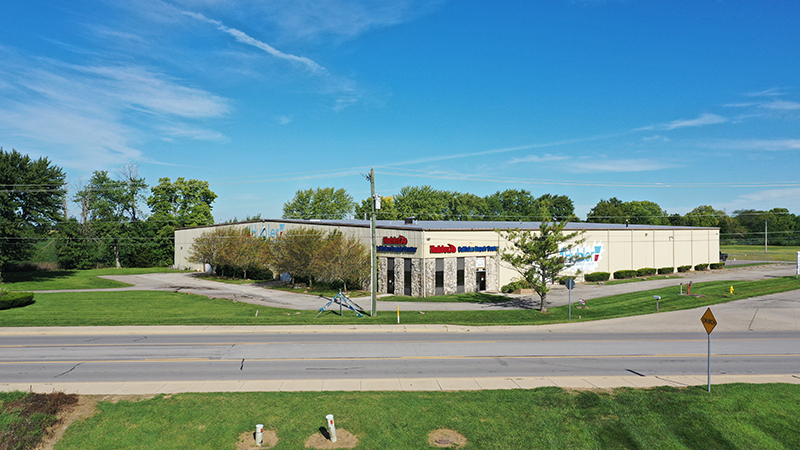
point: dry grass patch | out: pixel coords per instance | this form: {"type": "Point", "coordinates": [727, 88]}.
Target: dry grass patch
{"type": "Point", "coordinates": [344, 439]}
{"type": "Point", "coordinates": [446, 438]}
{"type": "Point", "coordinates": [247, 440]}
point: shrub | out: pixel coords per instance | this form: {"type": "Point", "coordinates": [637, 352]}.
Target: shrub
{"type": "Point", "coordinates": [513, 286]}
{"type": "Point", "coordinates": [623, 274]}
{"type": "Point", "coordinates": [597, 276]}
{"type": "Point", "coordinates": [718, 265]}
{"type": "Point", "coordinates": [684, 268]}
{"type": "Point", "coordinates": [665, 270]}
{"type": "Point", "coordinates": [15, 299]}
{"type": "Point", "coordinates": [645, 272]}
{"type": "Point", "coordinates": [701, 267]}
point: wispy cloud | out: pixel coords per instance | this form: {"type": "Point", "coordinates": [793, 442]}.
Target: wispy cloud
{"type": "Point", "coordinates": [619, 166]}
{"type": "Point", "coordinates": [245, 39]}
{"type": "Point", "coordinates": [705, 119]}
{"type": "Point", "coordinates": [656, 137]}
{"type": "Point", "coordinates": [284, 120]}
{"type": "Point", "coordinates": [547, 157]}
{"type": "Point", "coordinates": [771, 92]}
{"type": "Point", "coordinates": [781, 104]}
{"type": "Point", "coordinates": [752, 144]}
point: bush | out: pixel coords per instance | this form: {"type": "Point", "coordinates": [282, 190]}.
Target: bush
{"type": "Point", "coordinates": [701, 267]}
{"type": "Point", "coordinates": [597, 276]}
{"type": "Point", "coordinates": [645, 272]}
{"type": "Point", "coordinates": [10, 300]}
{"type": "Point", "coordinates": [666, 270]}
{"type": "Point", "coordinates": [623, 274]}
{"type": "Point", "coordinates": [513, 286]}
{"type": "Point", "coordinates": [718, 265]}
{"type": "Point", "coordinates": [684, 268]}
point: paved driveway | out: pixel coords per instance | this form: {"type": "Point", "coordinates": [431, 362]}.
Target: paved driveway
{"type": "Point", "coordinates": [255, 294]}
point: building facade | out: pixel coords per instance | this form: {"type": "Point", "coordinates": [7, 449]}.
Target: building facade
{"type": "Point", "coordinates": [427, 258]}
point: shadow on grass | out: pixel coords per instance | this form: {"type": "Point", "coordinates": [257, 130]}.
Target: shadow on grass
{"type": "Point", "coordinates": [477, 297]}
{"type": "Point", "coordinates": [45, 275]}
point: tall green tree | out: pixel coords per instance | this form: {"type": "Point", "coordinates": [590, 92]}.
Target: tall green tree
{"type": "Point", "coordinates": [32, 193]}
{"type": "Point", "coordinates": [178, 204]}
{"type": "Point", "coordinates": [423, 202]}
{"type": "Point", "coordinates": [388, 209]}
{"type": "Point", "coordinates": [294, 252]}
{"type": "Point", "coordinates": [615, 210]}
{"type": "Point", "coordinates": [319, 203]}
{"type": "Point", "coordinates": [103, 205]}
{"type": "Point", "coordinates": [537, 256]}
{"type": "Point", "coordinates": [341, 259]}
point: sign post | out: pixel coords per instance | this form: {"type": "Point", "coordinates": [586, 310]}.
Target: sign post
{"type": "Point", "coordinates": [570, 285]}
{"type": "Point", "coordinates": [709, 322]}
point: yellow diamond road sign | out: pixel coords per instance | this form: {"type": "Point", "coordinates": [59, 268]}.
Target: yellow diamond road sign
{"type": "Point", "coordinates": [708, 321]}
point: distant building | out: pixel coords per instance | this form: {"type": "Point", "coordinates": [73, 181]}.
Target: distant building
{"type": "Point", "coordinates": [427, 258]}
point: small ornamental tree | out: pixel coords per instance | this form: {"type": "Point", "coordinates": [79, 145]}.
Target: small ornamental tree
{"type": "Point", "coordinates": [537, 256]}
{"type": "Point", "coordinates": [342, 259]}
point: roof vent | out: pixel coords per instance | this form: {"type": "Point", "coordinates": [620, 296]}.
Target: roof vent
{"type": "Point", "coordinates": [410, 220]}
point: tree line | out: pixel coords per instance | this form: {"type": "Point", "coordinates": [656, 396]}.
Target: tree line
{"type": "Point", "coordinates": [307, 254]}
{"type": "Point", "coordinates": [745, 226]}
{"type": "Point", "coordinates": [112, 227]}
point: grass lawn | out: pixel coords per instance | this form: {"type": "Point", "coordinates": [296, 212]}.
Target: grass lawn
{"type": "Point", "coordinates": [734, 416]}
{"type": "Point", "coordinates": [69, 279]}
{"type": "Point", "coordinates": [24, 417]}
{"type": "Point", "coordinates": [169, 308]}
{"type": "Point", "coordinates": [731, 249]}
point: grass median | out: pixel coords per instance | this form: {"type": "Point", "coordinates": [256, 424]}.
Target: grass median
{"type": "Point", "coordinates": [169, 308]}
{"type": "Point", "coordinates": [49, 280]}
{"type": "Point", "coordinates": [731, 416]}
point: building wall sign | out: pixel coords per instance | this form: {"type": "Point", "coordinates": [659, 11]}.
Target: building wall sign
{"type": "Point", "coordinates": [266, 231]}
{"type": "Point", "coordinates": [589, 256]}
{"type": "Point", "coordinates": [450, 248]}
{"type": "Point", "coordinates": [395, 240]}
{"type": "Point", "coordinates": [396, 249]}
{"type": "Point", "coordinates": [484, 248]}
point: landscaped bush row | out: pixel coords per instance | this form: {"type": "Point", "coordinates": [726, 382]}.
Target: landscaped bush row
{"type": "Point", "coordinates": [684, 268]}
{"type": "Point", "coordinates": [645, 272]}
{"type": "Point", "coordinates": [597, 276]}
{"type": "Point", "coordinates": [666, 270]}
{"type": "Point", "coordinates": [513, 286]}
{"type": "Point", "coordinates": [701, 267]}
{"type": "Point", "coordinates": [15, 299]}
{"type": "Point", "coordinates": [718, 265]}
{"type": "Point", "coordinates": [624, 274]}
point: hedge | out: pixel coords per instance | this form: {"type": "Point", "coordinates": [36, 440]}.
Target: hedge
{"type": "Point", "coordinates": [514, 285]}
{"type": "Point", "coordinates": [684, 268]}
{"type": "Point", "coordinates": [718, 265]}
{"type": "Point", "coordinates": [701, 266]}
{"type": "Point", "coordinates": [645, 272]}
{"type": "Point", "coordinates": [15, 300]}
{"type": "Point", "coordinates": [597, 276]}
{"type": "Point", "coordinates": [666, 270]}
{"type": "Point", "coordinates": [623, 274]}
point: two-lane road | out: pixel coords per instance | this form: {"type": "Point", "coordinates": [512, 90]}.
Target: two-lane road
{"type": "Point", "coordinates": [272, 356]}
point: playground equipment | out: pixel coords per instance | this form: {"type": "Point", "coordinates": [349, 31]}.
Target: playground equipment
{"type": "Point", "coordinates": [344, 302]}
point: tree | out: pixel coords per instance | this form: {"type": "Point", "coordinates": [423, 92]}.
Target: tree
{"type": "Point", "coordinates": [294, 252]}
{"type": "Point", "coordinates": [615, 210]}
{"type": "Point", "coordinates": [319, 203]}
{"type": "Point", "coordinates": [423, 202]}
{"type": "Point", "coordinates": [608, 211]}
{"type": "Point", "coordinates": [512, 205]}
{"type": "Point", "coordinates": [184, 203]}
{"type": "Point", "coordinates": [341, 259]}
{"type": "Point", "coordinates": [537, 257]}
{"type": "Point", "coordinates": [74, 247]}
{"type": "Point", "coordinates": [388, 209]}
{"type": "Point", "coordinates": [31, 199]}
{"type": "Point", "coordinates": [104, 203]}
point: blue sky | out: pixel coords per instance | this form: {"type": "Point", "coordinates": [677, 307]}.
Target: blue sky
{"type": "Point", "coordinates": [684, 103]}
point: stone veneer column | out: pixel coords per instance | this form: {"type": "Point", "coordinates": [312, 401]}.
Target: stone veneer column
{"type": "Point", "coordinates": [381, 275]}
{"type": "Point", "coordinates": [430, 277]}
{"type": "Point", "coordinates": [399, 276]}
{"type": "Point", "coordinates": [450, 280]}
{"type": "Point", "coordinates": [492, 275]}
{"type": "Point", "coordinates": [416, 277]}
{"type": "Point", "coordinates": [469, 274]}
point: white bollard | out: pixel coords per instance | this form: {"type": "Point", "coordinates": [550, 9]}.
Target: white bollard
{"type": "Point", "coordinates": [259, 434]}
{"type": "Point", "coordinates": [331, 427]}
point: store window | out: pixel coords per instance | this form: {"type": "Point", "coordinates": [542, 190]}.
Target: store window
{"type": "Point", "coordinates": [390, 275]}
{"type": "Point", "coordinates": [460, 275]}
{"type": "Point", "coordinates": [439, 276]}
{"type": "Point", "coordinates": [407, 277]}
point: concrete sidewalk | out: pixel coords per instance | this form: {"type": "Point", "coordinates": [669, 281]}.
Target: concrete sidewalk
{"type": "Point", "coordinates": [390, 384]}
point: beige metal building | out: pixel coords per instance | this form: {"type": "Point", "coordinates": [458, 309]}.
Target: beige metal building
{"type": "Point", "coordinates": [426, 258]}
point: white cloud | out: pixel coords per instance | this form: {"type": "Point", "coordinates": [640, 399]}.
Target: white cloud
{"type": "Point", "coordinates": [619, 165]}
{"type": "Point", "coordinates": [284, 120]}
{"type": "Point", "coordinates": [245, 39]}
{"type": "Point", "coordinates": [767, 199]}
{"type": "Point", "coordinates": [705, 119]}
{"type": "Point", "coordinates": [781, 104]}
{"type": "Point", "coordinates": [656, 137]}
{"type": "Point", "coordinates": [772, 92]}
{"type": "Point", "coordinates": [753, 144]}
{"type": "Point", "coordinates": [538, 159]}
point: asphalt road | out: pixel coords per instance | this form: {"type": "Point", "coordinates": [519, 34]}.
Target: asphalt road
{"type": "Point", "coordinates": [265, 356]}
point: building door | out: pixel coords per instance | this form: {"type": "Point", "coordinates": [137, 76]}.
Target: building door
{"type": "Point", "coordinates": [480, 280]}
{"type": "Point", "coordinates": [460, 275]}
{"type": "Point", "coordinates": [407, 277]}
{"type": "Point", "coordinates": [390, 275]}
{"type": "Point", "coordinates": [439, 277]}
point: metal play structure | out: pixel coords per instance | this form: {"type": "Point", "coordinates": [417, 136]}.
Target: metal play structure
{"type": "Point", "coordinates": [344, 302]}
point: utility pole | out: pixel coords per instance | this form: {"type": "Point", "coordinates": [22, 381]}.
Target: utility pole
{"type": "Point", "coordinates": [373, 247]}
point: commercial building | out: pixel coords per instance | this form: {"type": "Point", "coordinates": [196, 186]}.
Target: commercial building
{"type": "Point", "coordinates": [427, 258]}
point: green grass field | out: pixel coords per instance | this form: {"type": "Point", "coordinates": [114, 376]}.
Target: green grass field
{"type": "Point", "coordinates": [730, 417]}
{"type": "Point", "coordinates": [69, 279]}
{"type": "Point", "coordinates": [758, 248]}
{"type": "Point", "coordinates": [168, 308]}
